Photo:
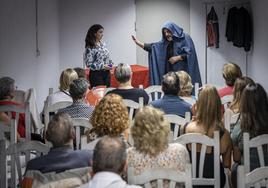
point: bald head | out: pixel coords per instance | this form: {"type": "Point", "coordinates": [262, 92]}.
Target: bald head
{"type": "Point", "coordinates": [171, 84]}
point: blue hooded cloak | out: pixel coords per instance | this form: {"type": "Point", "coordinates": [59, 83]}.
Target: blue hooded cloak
{"type": "Point", "coordinates": [182, 45]}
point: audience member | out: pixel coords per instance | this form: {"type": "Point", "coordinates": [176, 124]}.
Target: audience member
{"type": "Point", "coordinates": [110, 117]}
{"type": "Point", "coordinates": [151, 149]}
{"type": "Point", "coordinates": [239, 86]}
{"type": "Point", "coordinates": [80, 72]}
{"type": "Point", "coordinates": [123, 75]}
{"type": "Point", "coordinates": [66, 78]}
{"type": "Point", "coordinates": [109, 163]}
{"type": "Point", "coordinates": [230, 73]}
{"type": "Point", "coordinates": [207, 120]}
{"type": "Point", "coordinates": [61, 156]}
{"type": "Point", "coordinates": [186, 87]}
{"type": "Point", "coordinates": [253, 119]}
{"type": "Point", "coordinates": [7, 93]}
{"type": "Point", "coordinates": [79, 109]}
{"type": "Point", "coordinates": [171, 103]}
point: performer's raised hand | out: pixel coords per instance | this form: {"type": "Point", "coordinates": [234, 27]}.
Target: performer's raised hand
{"type": "Point", "coordinates": [139, 43]}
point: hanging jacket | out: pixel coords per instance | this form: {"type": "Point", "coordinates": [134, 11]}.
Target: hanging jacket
{"type": "Point", "coordinates": [213, 28]}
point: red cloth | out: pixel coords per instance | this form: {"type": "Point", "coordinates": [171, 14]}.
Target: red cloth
{"type": "Point", "coordinates": [140, 76]}
{"type": "Point", "coordinates": [21, 124]}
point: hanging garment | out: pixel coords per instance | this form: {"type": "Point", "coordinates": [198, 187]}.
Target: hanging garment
{"type": "Point", "coordinates": [239, 28]}
{"type": "Point", "coordinates": [213, 28]}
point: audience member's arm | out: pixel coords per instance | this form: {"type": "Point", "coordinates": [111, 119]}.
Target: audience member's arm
{"type": "Point", "coordinates": [226, 149]}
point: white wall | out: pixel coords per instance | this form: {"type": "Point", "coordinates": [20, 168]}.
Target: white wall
{"type": "Point", "coordinates": [150, 16]}
{"type": "Point", "coordinates": [17, 45]}
{"type": "Point", "coordinates": [118, 19]}
{"type": "Point", "coordinates": [258, 65]}
{"type": "Point", "coordinates": [226, 52]}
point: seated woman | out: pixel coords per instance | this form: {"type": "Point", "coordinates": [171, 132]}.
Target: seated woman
{"type": "Point", "coordinates": [110, 117]}
{"type": "Point", "coordinates": [239, 86]}
{"type": "Point", "coordinates": [123, 74]}
{"type": "Point", "coordinates": [253, 119]}
{"type": "Point", "coordinates": [66, 78]}
{"type": "Point", "coordinates": [230, 73]}
{"type": "Point", "coordinates": [207, 120]}
{"type": "Point", "coordinates": [186, 87]}
{"type": "Point", "coordinates": [151, 149]}
{"type": "Point", "coordinates": [7, 88]}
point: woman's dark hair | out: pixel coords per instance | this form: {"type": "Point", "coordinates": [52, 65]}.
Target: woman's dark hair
{"type": "Point", "coordinates": [254, 110]}
{"type": "Point", "coordinates": [91, 38]}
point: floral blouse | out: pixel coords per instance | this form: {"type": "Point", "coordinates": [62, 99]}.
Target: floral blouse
{"type": "Point", "coordinates": [174, 157]}
{"type": "Point", "coordinates": [95, 58]}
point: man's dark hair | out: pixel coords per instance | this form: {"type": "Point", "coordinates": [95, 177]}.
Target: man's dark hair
{"type": "Point", "coordinates": [171, 84]}
{"type": "Point", "coordinates": [6, 87]}
{"type": "Point", "coordinates": [109, 155]}
{"type": "Point", "coordinates": [59, 130]}
{"type": "Point", "coordinates": [78, 88]}
{"type": "Point", "coordinates": [80, 72]}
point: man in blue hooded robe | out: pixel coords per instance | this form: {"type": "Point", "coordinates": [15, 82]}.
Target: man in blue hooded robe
{"type": "Point", "coordinates": [174, 52]}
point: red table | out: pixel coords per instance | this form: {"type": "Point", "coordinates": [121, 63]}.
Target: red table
{"type": "Point", "coordinates": [140, 76]}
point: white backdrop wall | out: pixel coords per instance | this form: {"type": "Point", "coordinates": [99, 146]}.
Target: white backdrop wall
{"type": "Point", "coordinates": [17, 45]}
{"type": "Point", "coordinates": [118, 19]}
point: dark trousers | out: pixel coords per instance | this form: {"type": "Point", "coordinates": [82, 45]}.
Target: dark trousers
{"type": "Point", "coordinates": [99, 77]}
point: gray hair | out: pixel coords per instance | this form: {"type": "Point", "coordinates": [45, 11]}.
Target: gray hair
{"type": "Point", "coordinates": [6, 87]}
{"type": "Point", "coordinates": [59, 130]}
{"type": "Point", "coordinates": [78, 88]}
{"type": "Point", "coordinates": [122, 73]}
{"type": "Point", "coordinates": [109, 155]}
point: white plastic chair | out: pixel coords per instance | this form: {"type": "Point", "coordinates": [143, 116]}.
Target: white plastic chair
{"type": "Point", "coordinates": [15, 151]}
{"type": "Point", "coordinates": [193, 139]}
{"type": "Point", "coordinates": [78, 123]}
{"type": "Point", "coordinates": [159, 175]}
{"type": "Point", "coordinates": [154, 92]}
{"type": "Point", "coordinates": [226, 100]}
{"type": "Point", "coordinates": [178, 123]}
{"type": "Point", "coordinates": [132, 106]}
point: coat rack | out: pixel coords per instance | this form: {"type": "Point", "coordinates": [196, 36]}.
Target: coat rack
{"type": "Point", "coordinates": [229, 3]}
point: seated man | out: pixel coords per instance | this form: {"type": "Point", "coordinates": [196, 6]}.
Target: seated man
{"type": "Point", "coordinates": [79, 109]}
{"type": "Point", "coordinates": [171, 103]}
{"type": "Point", "coordinates": [62, 156]}
{"type": "Point", "coordinates": [123, 75]}
{"type": "Point", "coordinates": [109, 163]}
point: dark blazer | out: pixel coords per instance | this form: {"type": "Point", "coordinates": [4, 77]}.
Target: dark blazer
{"type": "Point", "coordinates": [61, 159]}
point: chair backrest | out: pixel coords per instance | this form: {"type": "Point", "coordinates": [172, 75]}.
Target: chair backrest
{"type": "Point", "coordinates": [257, 178]}
{"type": "Point", "coordinates": [35, 117]}
{"type": "Point", "coordinates": [178, 122]}
{"type": "Point", "coordinates": [193, 139]}
{"type": "Point", "coordinates": [159, 175]}
{"type": "Point", "coordinates": [154, 92]}
{"type": "Point", "coordinates": [226, 100]}
{"type": "Point", "coordinates": [257, 142]}
{"type": "Point", "coordinates": [54, 108]}
{"type": "Point", "coordinates": [79, 123]}
{"type": "Point", "coordinates": [230, 118]}
{"type": "Point", "coordinates": [14, 123]}
{"type": "Point", "coordinates": [15, 151]}
{"type": "Point", "coordinates": [196, 90]}
{"type": "Point", "coordinates": [109, 89]}
{"type": "Point", "coordinates": [132, 106]}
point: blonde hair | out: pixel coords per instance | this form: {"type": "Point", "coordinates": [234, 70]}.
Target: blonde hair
{"type": "Point", "coordinates": [66, 78]}
{"type": "Point", "coordinates": [230, 73]}
{"type": "Point", "coordinates": [110, 116]}
{"type": "Point", "coordinates": [150, 131]}
{"type": "Point", "coordinates": [208, 107]}
{"type": "Point", "coordinates": [186, 85]}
